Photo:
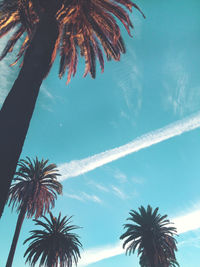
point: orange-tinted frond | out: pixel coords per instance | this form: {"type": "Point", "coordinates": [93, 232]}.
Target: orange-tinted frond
{"type": "Point", "coordinates": [12, 42]}
{"type": "Point", "coordinates": [22, 50]}
{"type": "Point", "coordinates": [73, 60]}
{"type": "Point", "coordinates": [8, 22]}
{"type": "Point", "coordinates": [89, 21]}
{"type": "Point", "coordinates": [86, 28]}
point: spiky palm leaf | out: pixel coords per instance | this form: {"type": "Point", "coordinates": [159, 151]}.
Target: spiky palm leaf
{"type": "Point", "coordinates": [152, 236]}
{"type": "Point", "coordinates": [54, 245]}
{"type": "Point", "coordinates": [87, 24]}
{"type": "Point", "coordinates": [35, 184]}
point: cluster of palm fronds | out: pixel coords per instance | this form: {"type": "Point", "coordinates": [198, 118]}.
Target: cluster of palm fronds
{"type": "Point", "coordinates": [152, 236]}
{"type": "Point", "coordinates": [55, 244]}
{"type": "Point", "coordinates": [89, 25]}
{"type": "Point", "coordinates": [35, 184]}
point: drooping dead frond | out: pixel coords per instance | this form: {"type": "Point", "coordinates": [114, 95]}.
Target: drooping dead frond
{"type": "Point", "coordinates": [85, 26]}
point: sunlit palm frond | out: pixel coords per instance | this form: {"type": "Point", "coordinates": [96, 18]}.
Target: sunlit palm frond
{"type": "Point", "coordinates": [54, 244]}
{"type": "Point", "coordinates": [85, 26]}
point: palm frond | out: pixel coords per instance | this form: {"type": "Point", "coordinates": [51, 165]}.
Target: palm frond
{"type": "Point", "coordinates": [81, 24]}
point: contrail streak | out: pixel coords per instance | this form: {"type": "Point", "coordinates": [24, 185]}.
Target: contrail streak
{"type": "Point", "coordinates": [78, 167]}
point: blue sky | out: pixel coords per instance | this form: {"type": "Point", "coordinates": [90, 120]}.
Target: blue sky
{"type": "Point", "coordinates": [156, 85]}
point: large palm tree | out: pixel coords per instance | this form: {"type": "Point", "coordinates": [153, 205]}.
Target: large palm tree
{"type": "Point", "coordinates": [152, 236]}
{"type": "Point", "coordinates": [33, 192]}
{"type": "Point", "coordinates": [47, 26]}
{"type": "Point", "coordinates": [55, 245]}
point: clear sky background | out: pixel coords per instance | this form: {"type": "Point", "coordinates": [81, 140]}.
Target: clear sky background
{"type": "Point", "coordinates": [156, 83]}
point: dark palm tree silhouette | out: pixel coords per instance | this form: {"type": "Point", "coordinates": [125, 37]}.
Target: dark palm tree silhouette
{"type": "Point", "coordinates": [152, 236]}
{"type": "Point", "coordinates": [33, 193]}
{"type": "Point", "coordinates": [48, 26]}
{"type": "Point", "coordinates": [55, 245]}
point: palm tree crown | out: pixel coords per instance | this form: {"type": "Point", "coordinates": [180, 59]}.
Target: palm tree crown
{"type": "Point", "coordinates": [55, 245]}
{"type": "Point", "coordinates": [35, 186]}
{"type": "Point", "coordinates": [151, 234]}
{"type": "Point", "coordinates": [33, 192]}
{"type": "Point", "coordinates": [83, 24]}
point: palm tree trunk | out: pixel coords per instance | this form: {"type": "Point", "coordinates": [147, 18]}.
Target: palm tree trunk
{"type": "Point", "coordinates": [16, 236]}
{"type": "Point", "coordinates": [18, 107]}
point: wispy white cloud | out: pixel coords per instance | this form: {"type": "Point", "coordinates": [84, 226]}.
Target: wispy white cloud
{"type": "Point", "coordinates": [78, 167]}
{"type": "Point", "coordinates": [99, 186]}
{"type": "Point", "coordinates": [93, 198]}
{"type": "Point", "coordinates": [46, 107]}
{"type": "Point", "coordinates": [119, 175]}
{"type": "Point", "coordinates": [138, 180]}
{"type": "Point", "coordinates": [184, 223]}
{"type": "Point", "coordinates": [46, 103]}
{"type": "Point", "coordinates": [84, 197]}
{"type": "Point", "coordinates": [46, 92]}
{"type": "Point", "coordinates": [123, 114]}
{"type": "Point", "coordinates": [180, 96]}
{"type": "Point", "coordinates": [130, 84]}
{"type": "Point", "coordinates": [74, 196]}
{"type": "Point", "coordinates": [128, 77]}
{"type": "Point", "coordinates": [118, 192]}
{"type": "Point", "coordinates": [176, 85]}
{"type": "Point", "coordinates": [192, 242]}
{"type": "Point", "coordinates": [138, 24]}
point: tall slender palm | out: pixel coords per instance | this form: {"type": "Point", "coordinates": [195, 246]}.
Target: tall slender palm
{"type": "Point", "coordinates": [48, 26]}
{"type": "Point", "coordinates": [33, 193]}
{"type": "Point", "coordinates": [153, 236]}
{"type": "Point", "coordinates": [55, 245]}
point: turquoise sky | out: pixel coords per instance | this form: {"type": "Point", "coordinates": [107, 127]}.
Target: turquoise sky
{"type": "Point", "coordinates": [156, 83]}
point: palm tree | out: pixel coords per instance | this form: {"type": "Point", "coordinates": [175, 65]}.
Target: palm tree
{"type": "Point", "coordinates": [33, 193]}
{"type": "Point", "coordinates": [48, 26]}
{"type": "Point", "coordinates": [150, 234]}
{"type": "Point", "coordinates": [55, 245]}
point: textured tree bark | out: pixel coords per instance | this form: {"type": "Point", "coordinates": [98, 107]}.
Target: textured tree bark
{"type": "Point", "coordinates": [16, 236]}
{"type": "Point", "coordinates": [18, 107]}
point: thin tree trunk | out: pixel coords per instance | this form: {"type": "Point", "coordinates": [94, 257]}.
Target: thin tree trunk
{"type": "Point", "coordinates": [18, 107]}
{"type": "Point", "coordinates": [16, 236]}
